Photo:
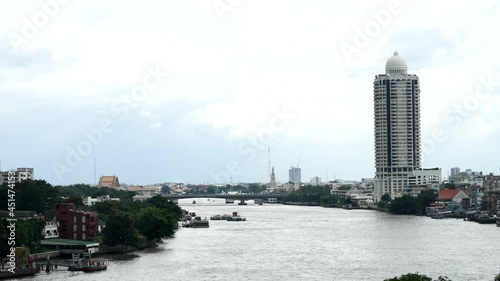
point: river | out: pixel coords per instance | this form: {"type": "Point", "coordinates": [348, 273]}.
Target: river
{"type": "Point", "coordinates": [291, 243]}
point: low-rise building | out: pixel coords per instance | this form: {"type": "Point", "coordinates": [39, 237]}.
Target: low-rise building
{"type": "Point", "coordinates": [315, 181]}
{"type": "Point", "coordinates": [151, 191]}
{"type": "Point", "coordinates": [74, 224]}
{"type": "Point", "coordinates": [51, 229]}
{"type": "Point", "coordinates": [21, 174]}
{"type": "Point", "coordinates": [454, 195]}
{"type": "Point", "coordinates": [89, 201]}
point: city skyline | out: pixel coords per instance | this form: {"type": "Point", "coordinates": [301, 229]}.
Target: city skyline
{"type": "Point", "coordinates": [302, 84]}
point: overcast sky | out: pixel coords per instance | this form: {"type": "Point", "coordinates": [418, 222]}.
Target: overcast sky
{"type": "Point", "coordinates": [226, 79]}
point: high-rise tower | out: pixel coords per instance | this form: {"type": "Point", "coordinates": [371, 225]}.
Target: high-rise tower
{"type": "Point", "coordinates": [396, 97]}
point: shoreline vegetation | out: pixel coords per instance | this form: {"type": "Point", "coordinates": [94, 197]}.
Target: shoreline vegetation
{"type": "Point", "coordinates": [130, 225]}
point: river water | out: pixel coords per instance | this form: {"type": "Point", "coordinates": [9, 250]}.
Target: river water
{"type": "Point", "coordinates": [291, 243]}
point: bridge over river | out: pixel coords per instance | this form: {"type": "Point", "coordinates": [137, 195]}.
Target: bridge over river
{"type": "Point", "coordinates": [270, 197]}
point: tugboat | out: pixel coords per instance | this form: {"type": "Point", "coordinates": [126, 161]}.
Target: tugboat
{"type": "Point", "coordinates": [196, 222]}
{"type": "Point", "coordinates": [236, 217]}
{"type": "Point", "coordinates": [219, 217]}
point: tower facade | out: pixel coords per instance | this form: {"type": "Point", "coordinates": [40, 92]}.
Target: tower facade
{"type": "Point", "coordinates": [396, 96]}
{"type": "Point", "coordinates": [294, 175]}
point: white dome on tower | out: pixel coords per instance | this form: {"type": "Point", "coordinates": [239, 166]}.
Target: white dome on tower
{"type": "Point", "coordinates": [396, 65]}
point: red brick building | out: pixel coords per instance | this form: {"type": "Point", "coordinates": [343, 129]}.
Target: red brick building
{"type": "Point", "coordinates": [76, 225]}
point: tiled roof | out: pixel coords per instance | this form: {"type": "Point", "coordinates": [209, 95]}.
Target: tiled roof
{"type": "Point", "coordinates": [448, 193]}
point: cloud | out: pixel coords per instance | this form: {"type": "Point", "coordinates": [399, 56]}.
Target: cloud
{"type": "Point", "coordinates": [145, 113]}
{"type": "Point", "coordinates": [156, 125]}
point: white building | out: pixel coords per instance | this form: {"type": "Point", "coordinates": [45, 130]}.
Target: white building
{"type": "Point", "coordinates": [315, 181]}
{"type": "Point", "coordinates": [50, 230]}
{"type": "Point", "coordinates": [21, 174]}
{"type": "Point", "coordinates": [468, 177]}
{"type": "Point", "coordinates": [397, 127]}
{"type": "Point", "coordinates": [426, 177]}
{"type": "Point", "coordinates": [89, 201]}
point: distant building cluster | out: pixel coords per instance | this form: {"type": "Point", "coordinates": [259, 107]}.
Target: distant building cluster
{"type": "Point", "coordinates": [21, 174]}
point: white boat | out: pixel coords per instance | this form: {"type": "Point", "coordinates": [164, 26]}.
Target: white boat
{"type": "Point", "coordinates": [196, 222]}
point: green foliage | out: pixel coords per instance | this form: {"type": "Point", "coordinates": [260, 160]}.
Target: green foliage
{"type": "Point", "coordinates": [120, 230]}
{"type": "Point", "coordinates": [344, 187]}
{"type": "Point", "coordinates": [408, 205]}
{"type": "Point", "coordinates": [386, 197]}
{"type": "Point", "coordinates": [31, 195]}
{"type": "Point", "coordinates": [497, 278]}
{"type": "Point", "coordinates": [313, 194]}
{"type": "Point", "coordinates": [165, 189]}
{"type": "Point", "coordinates": [28, 232]}
{"type": "Point", "coordinates": [154, 219]}
{"type": "Point", "coordinates": [424, 199]}
{"type": "Point", "coordinates": [77, 191]}
{"type": "Point", "coordinates": [163, 203]}
{"type": "Point", "coordinates": [404, 205]}
{"type": "Point", "coordinates": [410, 277]}
{"type": "Point", "coordinates": [254, 188]}
{"type": "Point", "coordinates": [155, 224]}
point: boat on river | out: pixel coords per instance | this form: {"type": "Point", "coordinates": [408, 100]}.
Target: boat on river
{"type": "Point", "coordinates": [220, 217]}
{"type": "Point", "coordinates": [196, 222]}
{"type": "Point", "coordinates": [236, 217]}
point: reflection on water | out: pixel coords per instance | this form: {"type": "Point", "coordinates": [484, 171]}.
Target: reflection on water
{"type": "Point", "coordinates": [310, 243]}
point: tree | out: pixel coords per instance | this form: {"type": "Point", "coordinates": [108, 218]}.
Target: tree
{"type": "Point", "coordinates": [424, 199]}
{"type": "Point", "coordinates": [155, 224]}
{"type": "Point", "coordinates": [165, 204]}
{"type": "Point", "coordinates": [410, 277]}
{"type": "Point", "coordinates": [404, 205]}
{"type": "Point", "coordinates": [211, 190]}
{"type": "Point", "coordinates": [31, 195]}
{"type": "Point", "coordinates": [120, 230]}
{"type": "Point", "coordinates": [165, 189]}
{"type": "Point", "coordinates": [344, 187]}
{"type": "Point", "coordinates": [254, 188]}
{"type": "Point", "coordinates": [416, 277]}
{"type": "Point", "coordinates": [386, 197]}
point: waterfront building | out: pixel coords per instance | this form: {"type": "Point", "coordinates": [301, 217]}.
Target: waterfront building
{"type": "Point", "coordinates": [294, 175]}
{"type": "Point", "coordinates": [109, 181]}
{"type": "Point", "coordinates": [455, 195]}
{"type": "Point", "coordinates": [50, 229]}
{"type": "Point", "coordinates": [396, 96]}
{"type": "Point", "coordinates": [74, 224]}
